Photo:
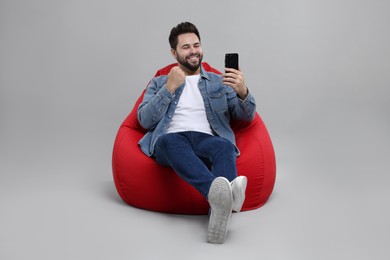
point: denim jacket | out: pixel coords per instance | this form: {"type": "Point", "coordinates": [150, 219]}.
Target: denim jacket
{"type": "Point", "coordinates": [221, 102]}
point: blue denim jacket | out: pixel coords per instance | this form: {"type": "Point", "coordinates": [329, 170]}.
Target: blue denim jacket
{"type": "Point", "coordinates": [221, 102]}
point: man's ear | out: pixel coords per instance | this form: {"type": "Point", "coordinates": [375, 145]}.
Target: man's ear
{"type": "Point", "coordinates": [174, 53]}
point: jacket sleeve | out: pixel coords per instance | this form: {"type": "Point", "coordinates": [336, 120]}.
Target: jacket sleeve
{"type": "Point", "coordinates": [241, 109]}
{"type": "Point", "coordinates": [154, 105]}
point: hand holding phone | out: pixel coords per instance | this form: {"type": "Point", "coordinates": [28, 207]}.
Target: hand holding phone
{"type": "Point", "coordinates": [234, 78]}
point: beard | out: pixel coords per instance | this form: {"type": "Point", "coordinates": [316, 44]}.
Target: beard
{"type": "Point", "coordinates": [191, 66]}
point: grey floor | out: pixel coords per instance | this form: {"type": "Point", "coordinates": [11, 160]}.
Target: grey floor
{"type": "Point", "coordinates": [65, 206]}
{"type": "Point", "coordinates": [71, 71]}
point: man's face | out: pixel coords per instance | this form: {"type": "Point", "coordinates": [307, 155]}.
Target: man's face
{"type": "Point", "coordinates": [188, 51]}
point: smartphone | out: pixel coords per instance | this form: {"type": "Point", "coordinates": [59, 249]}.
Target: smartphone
{"type": "Point", "coordinates": [231, 60]}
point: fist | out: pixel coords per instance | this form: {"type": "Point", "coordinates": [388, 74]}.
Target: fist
{"type": "Point", "coordinates": [176, 77]}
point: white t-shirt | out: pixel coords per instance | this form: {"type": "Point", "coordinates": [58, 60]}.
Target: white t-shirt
{"type": "Point", "coordinates": [190, 113]}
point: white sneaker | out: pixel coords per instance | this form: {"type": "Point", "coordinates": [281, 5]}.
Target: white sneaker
{"type": "Point", "coordinates": [221, 202]}
{"type": "Point", "coordinates": [238, 189]}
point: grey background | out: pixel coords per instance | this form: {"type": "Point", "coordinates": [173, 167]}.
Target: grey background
{"type": "Point", "coordinates": [70, 72]}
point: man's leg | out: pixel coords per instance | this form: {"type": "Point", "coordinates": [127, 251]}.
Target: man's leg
{"type": "Point", "coordinates": [222, 155]}
{"type": "Point", "coordinates": [220, 152]}
{"type": "Point", "coordinates": [181, 151]}
{"type": "Point", "coordinates": [175, 150]}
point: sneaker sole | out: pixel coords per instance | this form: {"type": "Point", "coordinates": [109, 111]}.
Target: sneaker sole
{"type": "Point", "coordinates": [221, 202]}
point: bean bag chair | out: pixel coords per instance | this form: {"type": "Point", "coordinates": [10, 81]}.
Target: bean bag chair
{"type": "Point", "coordinates": [142, 183]}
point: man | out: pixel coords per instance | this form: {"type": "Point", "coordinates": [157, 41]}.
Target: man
{"type": "Point", "coordinates": [187, 114]}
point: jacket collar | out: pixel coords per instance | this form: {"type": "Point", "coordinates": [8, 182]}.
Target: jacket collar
{"type": "Point", "coordinates": [203, 73]}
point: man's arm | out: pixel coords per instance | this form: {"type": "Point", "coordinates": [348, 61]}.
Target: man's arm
{"type": "Point", "coordinates": [154, 105]}
{"type": "Point", "coordinates": [241, 109]}
{"type": "Point", "coordinates": [156, 100]}
{"type": "Point", "coordinates": [242, 104]}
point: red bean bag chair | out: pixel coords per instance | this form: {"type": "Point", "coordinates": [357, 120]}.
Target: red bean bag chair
{"type": "Point", "coordinates": [142, 183]}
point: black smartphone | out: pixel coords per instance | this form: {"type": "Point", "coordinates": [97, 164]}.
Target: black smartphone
{"type": "Point", "coordinates": [231, 60]}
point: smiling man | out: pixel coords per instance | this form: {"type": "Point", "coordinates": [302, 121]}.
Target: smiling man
{"type": "Point", "coordinates": [187, 115]}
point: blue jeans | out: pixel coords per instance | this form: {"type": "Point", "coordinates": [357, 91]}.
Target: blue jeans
{"type": "Point", "coordinates": [197, 158]}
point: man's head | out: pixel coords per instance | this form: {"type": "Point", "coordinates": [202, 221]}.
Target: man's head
{"type": "Point", "coordinates": [185, 46]}
{"type": "Point", "coordinates": [182, 28]}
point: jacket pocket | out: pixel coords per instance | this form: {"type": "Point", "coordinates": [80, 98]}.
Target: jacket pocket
{"type": "Point", "coordinates": [218, 100]}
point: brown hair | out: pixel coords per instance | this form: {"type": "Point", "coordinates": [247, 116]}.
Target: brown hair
{"type": "Point", "coordinates": [184, 27]}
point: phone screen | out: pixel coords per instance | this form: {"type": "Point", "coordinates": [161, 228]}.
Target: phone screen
{"type": "Point", "coordinates": [231, 60]}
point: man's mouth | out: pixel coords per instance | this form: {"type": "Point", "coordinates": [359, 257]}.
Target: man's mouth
{"type": "Point", "coordinates": [193, 58]}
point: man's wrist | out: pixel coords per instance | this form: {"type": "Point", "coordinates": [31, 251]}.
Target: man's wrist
{"type": "Point", "coordinates": [244, 94]}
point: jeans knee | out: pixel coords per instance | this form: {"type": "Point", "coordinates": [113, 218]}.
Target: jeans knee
{"type": "Point", "coordinates": [225, 145]}
{"type": "Point", "coordinates": [225, 148]}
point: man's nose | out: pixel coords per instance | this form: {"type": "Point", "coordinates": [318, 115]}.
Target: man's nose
{"type": "Point", "coordinates": [192, 49]}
